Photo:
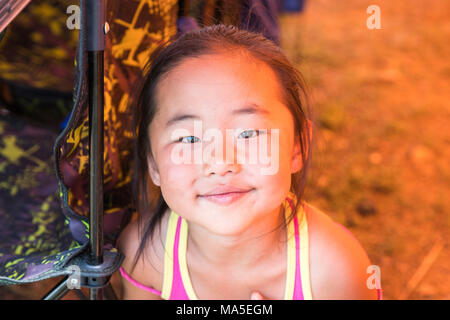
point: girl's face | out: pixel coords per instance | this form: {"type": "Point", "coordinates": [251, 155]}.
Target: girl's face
{"type": "Point", "coordinates": [207, 138]}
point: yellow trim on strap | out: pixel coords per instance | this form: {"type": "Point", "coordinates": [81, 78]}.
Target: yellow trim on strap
{"type": "Point", "coordinates": [290, 271]}
{"type": "Point", "coordinates": [304, 254]}
{"type": "Point", "coordinates": [168, 257]}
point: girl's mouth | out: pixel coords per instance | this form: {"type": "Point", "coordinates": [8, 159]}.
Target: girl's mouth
{"type": "Point", "coordinates": [225, 198]}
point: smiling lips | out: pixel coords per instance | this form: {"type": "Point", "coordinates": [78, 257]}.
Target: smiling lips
{"type": "Point", "coordinates": [225, 195]}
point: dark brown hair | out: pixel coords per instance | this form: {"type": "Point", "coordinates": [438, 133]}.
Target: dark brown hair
{"type": "Point", "coordinates": [216, 39]}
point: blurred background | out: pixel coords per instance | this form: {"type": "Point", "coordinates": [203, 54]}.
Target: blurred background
{"type": "Point", "coordinates": [381, 113]}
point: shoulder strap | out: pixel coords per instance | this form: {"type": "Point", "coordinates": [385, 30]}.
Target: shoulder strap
{"type": "Point", "coordinates": [127, 277]}
{"type": "Point", "coordinates": [302, 284]}
{"type": "Point", "coordinates": [173, 288]}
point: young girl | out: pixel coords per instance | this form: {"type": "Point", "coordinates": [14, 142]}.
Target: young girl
{"type": "Point", "coordinates": [224, 226]}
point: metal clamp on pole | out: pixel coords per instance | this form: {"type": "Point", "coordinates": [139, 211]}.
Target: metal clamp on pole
{"type": "Point", "coordinates": [79, 273]}
{"type": "Point", "coordinates": [96, 276]}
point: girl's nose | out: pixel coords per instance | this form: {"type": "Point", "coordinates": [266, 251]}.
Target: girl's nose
{"type": "Point", "coordinates": [220, 168]}
{"type": "Point", "coordinates": [221, 164]}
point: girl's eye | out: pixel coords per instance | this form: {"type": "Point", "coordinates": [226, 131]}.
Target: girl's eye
{"type": "Point", "coordinates": [189, 139]}
{"type": "Point", "coordinates": [249, 134]}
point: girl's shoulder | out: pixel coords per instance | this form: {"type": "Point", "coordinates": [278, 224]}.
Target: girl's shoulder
{"type": "Point", "coordinates": [150, 265]}
{"type": "Point", "coordinates": [338, 262]}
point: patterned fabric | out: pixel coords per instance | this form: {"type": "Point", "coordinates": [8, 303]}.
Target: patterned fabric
{"type": "Point", "coordinates": [36, 65]}
{"type": "Point", "coordinates": [34, 237]}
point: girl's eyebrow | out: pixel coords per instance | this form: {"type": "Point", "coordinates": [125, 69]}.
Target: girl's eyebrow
{"type": "Point", "coordinates": [251, 108]}
{"type": "Point", "coordinates": [181, 117]}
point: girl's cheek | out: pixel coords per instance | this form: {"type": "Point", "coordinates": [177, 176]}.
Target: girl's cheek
{"type": "Point", "coordinates": [176, 169]}
{"type": "Point", "coordinates": [178, 180]}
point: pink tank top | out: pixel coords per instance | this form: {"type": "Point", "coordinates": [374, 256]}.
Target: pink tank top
{"type": "Point", "coordinates": [177, 284]}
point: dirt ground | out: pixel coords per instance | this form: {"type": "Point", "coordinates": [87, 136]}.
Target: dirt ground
{"type": "Point", "coordinates": [380, 104]}
{"type": "Point", "coordinates": [380, 100]}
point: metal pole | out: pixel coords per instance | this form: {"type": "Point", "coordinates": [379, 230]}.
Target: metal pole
{"type": "Point", "coordinates": [59, 291]}
{"type": "Point", "coordinates": [95, 42]}
{"type": "Point", "coordinates": [95, 21]}
{"type": "Point", "coordinates": [95, 294]}
{"type": "Point", "coordinates": [95, 61]}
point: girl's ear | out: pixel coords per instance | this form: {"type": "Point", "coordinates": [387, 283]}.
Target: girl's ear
{"type": "Point", "coordinates": [297, 161]}
{"type": "Point", "coordinates": [153, 171]}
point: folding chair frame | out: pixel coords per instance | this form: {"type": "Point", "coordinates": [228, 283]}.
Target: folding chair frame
{"type": "Point", "coordinates": [95, 267]}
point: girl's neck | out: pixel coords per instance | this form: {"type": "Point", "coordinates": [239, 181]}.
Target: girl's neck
{"type": "Point", "coordinates": [264, 239]}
